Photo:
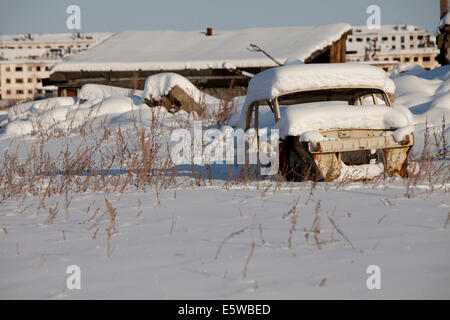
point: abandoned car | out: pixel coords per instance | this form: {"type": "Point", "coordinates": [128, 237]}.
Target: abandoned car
{"type": "Point", "coordinates": [334, 120]}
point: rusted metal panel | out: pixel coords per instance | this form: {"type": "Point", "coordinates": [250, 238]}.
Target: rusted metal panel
{"type": "Point", "coordinates": [329, 165]}
{"type": "Point", "coordinates": [360, 144]}
{"type": "Point", "coordinates": [395, 161]}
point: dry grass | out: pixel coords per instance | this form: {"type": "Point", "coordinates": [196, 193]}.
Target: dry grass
{"type": "Point", "coordinates": [112, 160]}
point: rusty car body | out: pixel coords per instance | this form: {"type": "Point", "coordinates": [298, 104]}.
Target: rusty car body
{"type": "Point", "coordinates": [355, 85]}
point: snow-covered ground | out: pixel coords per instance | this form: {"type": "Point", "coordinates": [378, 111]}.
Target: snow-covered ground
{"type": "Point", "coordinates": [207, 237]}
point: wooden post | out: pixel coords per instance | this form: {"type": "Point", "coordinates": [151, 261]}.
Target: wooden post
{"type": "Point", "coordinates": [445, 7]}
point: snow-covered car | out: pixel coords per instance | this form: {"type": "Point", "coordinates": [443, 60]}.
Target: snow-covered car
{"type": "Point", "coordinates": [334, 120]}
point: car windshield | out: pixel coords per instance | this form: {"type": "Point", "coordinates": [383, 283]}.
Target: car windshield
{"type": "Point", "coordinates": [352, 96]}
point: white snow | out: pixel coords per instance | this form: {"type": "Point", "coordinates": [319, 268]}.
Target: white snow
{"type": "Point", "coordinates": [65, 113]}
{"type": "Point", "coordinates": [400, 133]}
{"type": "Point", "coordinates": [179, 50]}
{"type": "Point", "coordinates": [314, 136]}
{"type": "Point", "coordinates": [168, 251]}
{"type": "Point", "coordinates": [98, 91]}
{"type": "Point", "coordinates": [176, 243]}
{"type": "Point", "coordinates": [363, 171]}
{"type": "Point", "coordinates": [161, 84]}
{"type": "Point", "coordinates": [297, 119]}
{"type": "Point", "coordinates": [425, 93]}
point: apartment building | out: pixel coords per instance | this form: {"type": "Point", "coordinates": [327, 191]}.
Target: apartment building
{"type": "Point", "coordinates": [26, 59]}
{"type": "Point", "coordinates": [392, 44]}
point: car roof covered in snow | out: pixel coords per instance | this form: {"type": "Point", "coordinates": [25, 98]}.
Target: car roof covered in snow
{"type": "Point", "coordinates": [274, 82]}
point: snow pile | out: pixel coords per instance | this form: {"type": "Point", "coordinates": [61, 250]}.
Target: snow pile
{"type": "Point", "coordinates": [358, 172]}
{"type": "Point", "coordinates": [297, 119]}
{"type": "Point", "coordinates": [99, 91]}
{"type": "Point", "coordinates": [409, 67]}
{"type": "Point", "coordinates": [425, 93]}
{"type": "Point", "coordinates": [160, 85]}
{"type": "Point", "coordinates": [180, 50]}
{"type": "Point", "coordinates": [400, 133]}
{"type": "Point", "coordinates": [66, 113]}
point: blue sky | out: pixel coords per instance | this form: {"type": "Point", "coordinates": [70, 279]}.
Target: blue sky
{"type": "Point", "coordinates": [49, 16]}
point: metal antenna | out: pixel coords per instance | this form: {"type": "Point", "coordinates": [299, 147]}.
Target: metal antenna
{"type": "Point", "coordinates": [256, 48]}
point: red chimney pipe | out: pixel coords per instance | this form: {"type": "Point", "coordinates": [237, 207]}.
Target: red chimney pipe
{"type": "Point", "coordinates": [209, 31]}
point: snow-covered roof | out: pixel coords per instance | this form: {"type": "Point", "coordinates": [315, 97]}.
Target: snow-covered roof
{"type": "Point", "coordinates": [22, 53]}
{"type": "Point", "coordinates": [179, 50]}
{"type": "Point", "coordinates": [445, 20]}
{"type": "Point", "coordinates": [53, 37]}
{"type": "Point", "coordinates": [387, 29]}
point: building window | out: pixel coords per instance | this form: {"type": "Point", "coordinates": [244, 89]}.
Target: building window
{"type": "Point", "coordinates": [411, 46]}
{"type": "Point", "coordinates": [384, 38]}
{"type": "Point", "coordinates": [350, 40]}
{"type": "Point", "coordinates": [38, 80]}
{"type": "Point", "coordinates": [30, 80]}
{"type": "Point", "coordinates": [402, 39]}
{"type": "Point", "coordinates": [359, 39]}
{"type": "Point", "coordinates": [420, 37]}
{"type": "Point", "coordinates": [46, 68]}
{"type": "Point", "coordinates": [19, 69]}
{"type": "Point", "coordinates": [19, 91]}
{"type": "Point", "coordinates": [7, 69]}
{"type": "Point", "coordinates": [411, 38]}
{"type": "Point", "coordinates": [30, 91]}
{"type": "Point", "coordinates": [426, 59]}
{"type": "Point", "coordinates": [393, 47]}
{"type": "Point", "coordinates": [406, 59]}
{"type": "Point", "coordinates": [38, 68]}
{"type": "Point", "coordinates": [393, 38]}
{"type": "Point", "coordinates": [8, 80]}
{"type": "Point", "coordinates": [19, 80]}
{"type": "Point", "coordinates": [403, 46]}
{"type": "Point", "coordinates": [8, 91]}
{"type": "Point", "coordinates": [397, 59]}
{"type": "Point", "coordinates": [416, 59]}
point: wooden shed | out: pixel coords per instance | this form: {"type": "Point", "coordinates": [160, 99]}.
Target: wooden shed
{"type": "Point", "coordinates": [212, 60]}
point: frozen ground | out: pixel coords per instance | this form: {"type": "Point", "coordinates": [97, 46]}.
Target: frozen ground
{"type": "Point", "coordinates": [215, 238]}
{"type": "Point", "coordinates": [169, 251]}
